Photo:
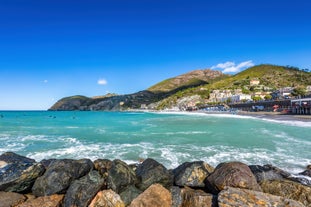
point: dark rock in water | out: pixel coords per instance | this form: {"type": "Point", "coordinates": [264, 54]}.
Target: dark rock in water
{"type": "Point", "coordinates": [107, 198]}
{"type": "Point", "coordinates": [102, 166]}
{"type": "Point", "coordinates": [288, 189]}
{"type": "Point", "coordinates": [268, 172]}
{"type": "Point", "coordinates": [198, 198]}
{"type": "Point", "coordinates": [18, 173]}
{"type": "Point", "coordinates": [176, 196]}
{"type": "Point", "coordinates": [46, 163]}
{"type": "Point", "coordinates": [243, 197]}
{"type": "Point", "coordinates": [233, 174]}
{"type": "Point", "coordinates": [151, 172]}
{"type": "Point", "coordinates": [82, 191]}
{"type": "Point", "coordinates": [192, 174]}
{"type": "Point", "coordinates": [8, 199]}
{"type": "Point", "coordinates": [129, 194]}
{"type": "Point", "coordinates": [120, 175]}
{"type": "Point", "coordinates": [59, 176]}
{"type": "Point", "coordinates": [306, 173]}
{"type": "Point", "coordinates": [45, 201]}
{"type": "Point", "coordinates": [155, 195]}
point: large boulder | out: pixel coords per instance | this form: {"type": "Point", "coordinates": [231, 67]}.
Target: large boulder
{"type": "Point", "coordinates": [155, 196]}
{"type": "Point", "coordinates": [288, 189]}
{"type": "Point", "coordinates": [8, 199]}
{"type": "Point", "coordinates": [82, 191]}
{"type": "Point", "coordinates": [197, 198]}
{"type": "Point", "coordinates": [107, 198]}
{"type": "Point", "coordinates": [59, 175]}
{"type": "Point", "coordinates": [233, 174]}
{"type": "Point", "coordinates": [192, 174]}
{"type": "Point", "coordinates": [46, 201]}
{"type": "Point", "coordinates": [120, 175]}
{"type": "Point", "coordinates": [129, 194]}
{"type": "Point", "coordinates": [243, 197]}
{"type": "Point", "coordinates": [18, 173]}
{"type": "Point", "coordinates": [151, 172]}
{"type": "Point", "coordinates": [268, 172]}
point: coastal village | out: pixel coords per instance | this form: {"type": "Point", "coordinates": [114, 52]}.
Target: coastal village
{"type": "Point", "coordinates": [255, 99]}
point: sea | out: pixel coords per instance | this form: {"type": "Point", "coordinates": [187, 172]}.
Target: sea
{"type": "Point", "coordinates": [169, 138]}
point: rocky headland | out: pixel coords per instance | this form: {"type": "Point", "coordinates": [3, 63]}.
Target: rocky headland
{"type": "Point", "coordinates": [106, 183]}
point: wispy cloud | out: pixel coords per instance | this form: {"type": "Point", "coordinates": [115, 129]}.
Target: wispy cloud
{"type": "Point", "coordinates": [102, 82]}
{"type": "Point", "coordinates": [231, 67]}
{"type": "Point", "coordinates": [45, 81]}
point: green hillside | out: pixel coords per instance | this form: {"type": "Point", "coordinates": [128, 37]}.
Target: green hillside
{"type": "Point", "coordinates": [271, 77]}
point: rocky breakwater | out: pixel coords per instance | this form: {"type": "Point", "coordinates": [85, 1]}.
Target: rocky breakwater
{"type": "Point", "coordinates": [105, 183]}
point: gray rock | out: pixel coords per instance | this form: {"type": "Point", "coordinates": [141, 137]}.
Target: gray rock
{"type": "Point", "coordinates": [151, 172]}
{"type": "Point", "coordinates": [18, 173]}
{"type": "Point", "coordinates": [82, 191]}
{"type": "Point", "coordinates": [120, 175]}
{"type": "Point", "coordinates": [268, 172]}
{"type": "Point", "coordinates": [192, 174]}
{"type": "Point", "coordinates": [177, 198]}
{"type": "Point", "coordinates": [59, 176]}
{"type": "Point", "coordinates": [129, 194]}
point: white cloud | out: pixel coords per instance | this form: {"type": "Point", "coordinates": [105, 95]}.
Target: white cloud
{"type": "Point", "coordinates": [45, 81]}
{"type": "Point", "coordinates": [231, 67]}
{"type": "Point", "coordinates": [102, 82]}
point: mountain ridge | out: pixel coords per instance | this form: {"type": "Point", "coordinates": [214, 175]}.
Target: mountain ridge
{"type": "Point", "coordinates": [198, 83]}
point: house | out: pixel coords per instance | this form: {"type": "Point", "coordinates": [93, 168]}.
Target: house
{"type": "Point", "coordinates": [240, 97]}
{"type": "Point", "coordinates": [286, 91]}
{"type": "Point", "coordinates": [254, 82]}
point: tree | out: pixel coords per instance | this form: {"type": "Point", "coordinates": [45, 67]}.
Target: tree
{"type": "Point", "coordinates": [256, 98]}
{"type": "Point", "coordinates": [299, 91]}
{"type": "Point", "coordinates": [268, 97]}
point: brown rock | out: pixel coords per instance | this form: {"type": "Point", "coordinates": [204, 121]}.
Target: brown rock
{"type": "Point", "coordinates": [197, 198]}
{"type": "Point", "coordinates": [233, 174]}
{"type": "Point", "coordinates": [46, 201]}
{"type": "Point", "coordinates": [309, 167]}
{"type": "Point", "coordinates": [8, 199]}
{"type": "Point", "coordinates": [243, 197]}
{"type": "Point", "coordinates": [107, 198]}
{"type": "Point", "coordinates": [155, 196]}
{"type": "Point", "coordinates": [288, 189]}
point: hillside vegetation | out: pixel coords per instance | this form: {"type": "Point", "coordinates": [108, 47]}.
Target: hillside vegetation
{"type": "Point", "coordinates": [198, 84]}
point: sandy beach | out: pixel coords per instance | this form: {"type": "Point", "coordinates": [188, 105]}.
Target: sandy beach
{"type": "Point", "coordinates": [276, 116]}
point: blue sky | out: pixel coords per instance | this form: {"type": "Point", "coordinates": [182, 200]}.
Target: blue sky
{"type": "Point", "coordinates": [55, 48]}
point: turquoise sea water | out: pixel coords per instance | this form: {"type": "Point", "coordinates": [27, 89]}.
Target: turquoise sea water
{"type": "Point", "coordinates": [169, 138]}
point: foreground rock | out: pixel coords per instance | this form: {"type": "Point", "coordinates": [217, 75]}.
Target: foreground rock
{"type": "Point", "coordinates": [151, 172]}
{"type": "Point", "coordinates": [82, 191]}
{"type": "Point", "coordinates": [45, 201]}
{"type": "Point", "coordinates": [120, 175]}
{"type": "Point", "coordinates": [288, 189]}
{"type": "Point", "coordinates": [198, 198]}
{"type": "Point", "coordinates": [107, 198]}
{"type": "Point", "coordinates": [268, 172]}
{"type": "Point", "coordinates": [233, 174]}
{"type": "Point", "coordinates": [243, 197]}
{"type": "Point", "coordinates": [8, 199]}
{"type": "Point", "coordinates": [192, 174]}
{"type": "Point", "coordinates": [18, 173]}
{"type": "Point", "coordinates": [129, 194]}
{"type": "Point", "coordinates": [59, 176]}
{"type": "Point", "coordinates": [155, 196]}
